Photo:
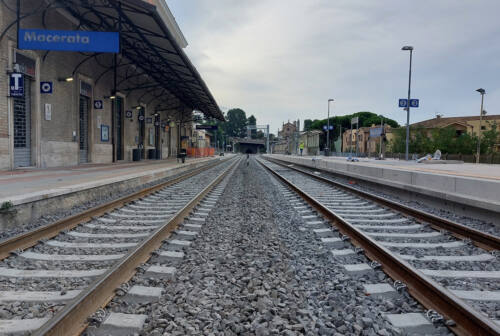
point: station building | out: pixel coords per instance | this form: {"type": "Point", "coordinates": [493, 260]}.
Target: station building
{"type": "Point", "coordinates": [97, 107]}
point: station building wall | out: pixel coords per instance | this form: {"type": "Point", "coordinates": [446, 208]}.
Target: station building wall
{"type": "Point", "coordinates": [55, 142]}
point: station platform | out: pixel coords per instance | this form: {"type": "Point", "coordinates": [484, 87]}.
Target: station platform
{"type": "Point", "coordinates": [36, 192]}
{"type": "Point", "coordinates": [473, 185]}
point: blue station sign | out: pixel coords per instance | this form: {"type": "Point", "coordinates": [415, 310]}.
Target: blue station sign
{"type": "Point", "coordinates": [69, 40]}
{"type": "Point", "coordinates": [404, 102]}
{"type": "Point", "coordinates": [16, 85]}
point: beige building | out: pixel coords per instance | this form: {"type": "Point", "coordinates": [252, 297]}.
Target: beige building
{"type": "Point", "coordinates": [365, 144]}
{"type": "Point", "coordinates": [310, 139]}
{"type": "Point", "coordinates": [101, 107]}
{"type": "Point", "coordinates": [468, 125]}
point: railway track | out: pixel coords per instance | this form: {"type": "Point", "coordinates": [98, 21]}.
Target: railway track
{"type": "Point", "coordinates": [451, 276]}
{"type": "Point", "coordinates": [148, 284]}
{"type": "Point", "coordinates": [73, 266]}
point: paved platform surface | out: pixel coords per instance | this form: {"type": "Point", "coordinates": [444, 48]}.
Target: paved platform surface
{"type": "Point", "coordinates": [474, 185]}
{"type": "Point", "coordinates": [482, 170]}
{"type": "Point", "coordinates": [27, 183]}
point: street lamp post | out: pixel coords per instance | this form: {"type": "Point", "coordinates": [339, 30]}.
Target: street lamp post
{"type": "Point", "coordinates": [410, 48]}
{"type": "Point", "coordinates": [381, 135]}
{"type": "Point", "coordinates": [328, 127]}
{"type": "Point", "coordinates": [482, 92]}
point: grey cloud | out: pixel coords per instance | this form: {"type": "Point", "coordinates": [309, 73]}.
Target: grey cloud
{"type": "Point", "coordinates": [282, 60]}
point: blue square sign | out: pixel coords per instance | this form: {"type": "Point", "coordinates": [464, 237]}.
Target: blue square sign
{"type": "Point", "coordinates": [403, 102]}
{"type": "Point", "coordinates": [413, 102]}
{"type": "Point", "coordinates": [98, 104]}
{"type": "Point", "coordinates": [45, 87]}
{"type": "Point", "coordinates": [16, 84]}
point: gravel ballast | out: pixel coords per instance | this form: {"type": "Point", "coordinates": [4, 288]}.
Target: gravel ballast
{"type": "Point", "coordinates": [255, 270]}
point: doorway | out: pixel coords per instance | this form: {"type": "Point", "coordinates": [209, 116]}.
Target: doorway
{"type": "Point", "coordinates": [84, 128]}
{"type": "Point", "coordinates": [118, 113]}
{"type": "Point", "coordinates": [22, 127]}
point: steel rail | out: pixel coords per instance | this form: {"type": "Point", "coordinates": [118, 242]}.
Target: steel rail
{"type": "Point", "coordinates": [484, 240]}
{"type": "Point", "coordinates": [427, 291]}
{"type": "Point", "coordinates": [31, 238]}
{"type": "Point", "coordinates": [72, 319]}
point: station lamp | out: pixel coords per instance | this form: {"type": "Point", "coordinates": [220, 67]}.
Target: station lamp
{"type": "Point", "coordinates": [481, 113]}
{"type": "Point", "coordinates": [410, 49]}
{"type": "Point", "coordinates": [65, 79]}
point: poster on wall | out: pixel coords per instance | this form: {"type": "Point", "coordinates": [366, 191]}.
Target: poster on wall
{"type": "Point", "coordinates": [151, 137]}
{"type": "Point", "coordinates": [104, 133]}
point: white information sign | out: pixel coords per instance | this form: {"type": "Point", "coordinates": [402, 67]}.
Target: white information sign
{"type": "Point", "coordinates": [48, 112]}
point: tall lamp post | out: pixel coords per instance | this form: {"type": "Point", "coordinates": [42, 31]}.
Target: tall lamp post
{"type": "Point", "coordinates": [381, 135]}
{"type": "Point", "coordinates": [410, 48]}
{"type": "Point", "coordinates": [328, 128]}
{"type": "Point", "coordinates": [482, 92]}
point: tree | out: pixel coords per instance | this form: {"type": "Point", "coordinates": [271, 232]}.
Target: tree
{"type": "Point", "coordinates": [489, 139]}
{"type": "Point", "coordinates": [307, 125]}
{"type": "Point", "coordinates": [251, 121]}
{"type": "Point", "coordinates": [236, 122]}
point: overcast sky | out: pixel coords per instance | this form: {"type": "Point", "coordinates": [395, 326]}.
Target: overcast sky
{"type": "Point", "coordinates": [283, 59]}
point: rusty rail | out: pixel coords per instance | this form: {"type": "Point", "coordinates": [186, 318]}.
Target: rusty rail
{"type": "Point", "coordinates": [427, 291]}
{"type": "Point", "coordinates": [481, 239]}
{"type": "Point", "coordinates": [32, 237]}
{"type": "Point", "coordinates": [72, 319]}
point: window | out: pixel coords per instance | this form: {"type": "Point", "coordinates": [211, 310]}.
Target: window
{"type": "Point", "coordinates": [483, 128]}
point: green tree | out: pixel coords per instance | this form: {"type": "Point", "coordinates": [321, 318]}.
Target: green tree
{"type": "Point", "coordinates": [307, 124]}
{"type": "Point", "coordinates": [397, 144]}
{"type": "Point", "coordinates": [251, 121]}
{"type": "Point", "coordinates": [489, 138]}
{"type": "Point", "coordinates": [236, 122]}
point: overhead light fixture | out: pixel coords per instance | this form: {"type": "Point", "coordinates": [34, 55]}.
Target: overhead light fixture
{"type": "Point", "coordinates": [66, 79]}
{"type": "Point", "coordinates": [138, 107]}
{"type": "Point", "coordinates": [109, 97]}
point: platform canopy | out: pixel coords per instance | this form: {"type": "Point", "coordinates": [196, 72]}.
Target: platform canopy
{"type": "Point", "coordinates": [148, 44]}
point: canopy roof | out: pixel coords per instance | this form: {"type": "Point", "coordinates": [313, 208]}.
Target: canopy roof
{"type": "Point", "coordinates": [149, 45]}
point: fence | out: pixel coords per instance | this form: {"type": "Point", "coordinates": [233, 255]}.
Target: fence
{"type": "Point", "coordinates": [200, 152]}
